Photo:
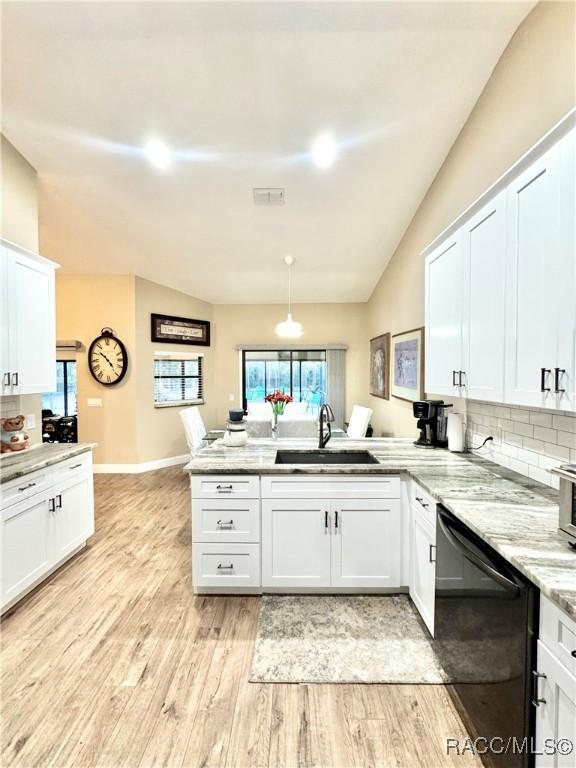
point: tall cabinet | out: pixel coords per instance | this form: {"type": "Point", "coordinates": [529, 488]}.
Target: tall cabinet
{"type": "Point", "coordinates": [28, 315]}
{"type": "Point", "coordinates": [501, 288]}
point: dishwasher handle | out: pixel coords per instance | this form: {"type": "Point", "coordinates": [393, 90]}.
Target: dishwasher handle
{"type": "Point", "coordinates": [459, 543]}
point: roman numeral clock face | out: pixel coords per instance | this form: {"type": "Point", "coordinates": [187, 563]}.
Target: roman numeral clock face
{"type": "Point", "coordinates": [107, 358]}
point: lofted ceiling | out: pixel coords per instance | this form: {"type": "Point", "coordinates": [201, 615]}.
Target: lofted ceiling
{"type": "Point", "coordinates": [239, 91]}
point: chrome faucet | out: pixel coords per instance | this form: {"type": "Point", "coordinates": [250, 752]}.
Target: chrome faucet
{"type": "Point", "coordinates": [326, 416]}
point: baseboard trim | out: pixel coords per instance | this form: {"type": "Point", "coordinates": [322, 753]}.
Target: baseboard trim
{"type": "Point", "coordinates": [136, 469]}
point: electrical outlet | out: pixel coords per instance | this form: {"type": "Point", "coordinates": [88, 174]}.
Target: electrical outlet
{"type": "Point", "coordinates": [231, 398]}
{"type": "Point", "coordinates": [94, 402]}
{"type": "Point", "coordinates": [31, 421]}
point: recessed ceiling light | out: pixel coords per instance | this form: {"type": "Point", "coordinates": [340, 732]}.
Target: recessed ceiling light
{"type": "Point", "coordinates": [324, 150]}
{"type": "Point", "coordinates": [158, 153]}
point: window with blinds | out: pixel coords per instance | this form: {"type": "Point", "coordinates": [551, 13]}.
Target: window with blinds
{"type": "Point", "coordinates": [178, 379]}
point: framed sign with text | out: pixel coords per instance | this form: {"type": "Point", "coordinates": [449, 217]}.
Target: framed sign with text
{"type": "Point", "coordinates": [180, 330]}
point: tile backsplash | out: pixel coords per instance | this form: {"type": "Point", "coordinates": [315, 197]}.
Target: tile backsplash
{"type": "Point", "coordinates": [529, 441]}
{"type": "Point", "coordinates": [10, 406]}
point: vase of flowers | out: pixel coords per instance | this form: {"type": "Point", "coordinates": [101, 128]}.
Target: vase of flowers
{"type": "Point", "coordinates": [278, 401]}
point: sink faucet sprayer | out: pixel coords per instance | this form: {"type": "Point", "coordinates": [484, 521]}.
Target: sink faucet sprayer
{"type": "Point", "coordinates": [326, 416]}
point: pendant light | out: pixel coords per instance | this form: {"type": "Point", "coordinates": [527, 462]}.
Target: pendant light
{"type": "Point", "coordinates": [289, 328]}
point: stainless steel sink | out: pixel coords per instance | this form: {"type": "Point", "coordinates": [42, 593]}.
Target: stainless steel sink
{"type": "Point", "coordinates": [325, 457]}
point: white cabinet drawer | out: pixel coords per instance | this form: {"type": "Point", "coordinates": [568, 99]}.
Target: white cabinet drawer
{"type": "Point", "coordinates": [226, 520]}
{"type": "Point", "coordinates": [558, 633]}
{"type": "Point", "coordinates": [222, 486]}
{"type": "Point", "coordinates": [24, 487]}
{"type": "Point", "coordinates": [73, 467]}
{"type": "Point", "coordinates": [423, 502]}
{"type": "Point", "coordinates": [333, 487]}
{"type": "Point", "coordinates": [226, 565]}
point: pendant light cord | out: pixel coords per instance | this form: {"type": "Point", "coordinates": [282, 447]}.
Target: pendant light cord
{"type": "Point", "coordinates": [289, 289]}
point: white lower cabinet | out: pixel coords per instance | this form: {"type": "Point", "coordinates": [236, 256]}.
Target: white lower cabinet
{"type": "Point", "coordinates": [366, 543]}
{"type": "Point", "coordinates": [556, 710]}
{"type": "Point", "coordinates": [73, 516]}
{"type": "Point", "coordinates": [554, 693]}
{"type": "Point", "coordinates": [43, 529]}
{"type": "Point", "coordinates": [296, 540]}
{"type": "Point", "coordinates": [423, 576]}
{"type": "Point", "coordinates": [331, 543]}
{"type": "Point", "coordinates": [26, 545]}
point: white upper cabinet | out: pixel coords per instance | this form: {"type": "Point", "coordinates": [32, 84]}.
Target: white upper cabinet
{"type": "Point", "coordinates": [501, 287]}
{"type": "Point", "coordinates": [534, 277]}
{"type": "Point", "coordinates": [28, 339]}
{"type": "Point", "coordinates": [484, 247]}
{"type": "Point", "coordinates": [444, 317]}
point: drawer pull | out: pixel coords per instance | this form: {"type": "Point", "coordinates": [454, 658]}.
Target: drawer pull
{"type": "Point", "coordinates": [224, 488]}
{"type": "Point", "coordinates": [225, 523]}
{"type": "Point", "coordinates": [25, 487]}
{"type": "Point", "coordinates": [75, 466]}
{"type": "Point", "coordinates": [432, 547]}
{"type": "Point", "coordinates": [225, 567]}
{"type": "Point", "coordinates": [421, 501]}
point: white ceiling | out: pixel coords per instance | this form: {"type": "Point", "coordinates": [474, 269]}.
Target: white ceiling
{"type": "Point", "coordinates": [239, 91]}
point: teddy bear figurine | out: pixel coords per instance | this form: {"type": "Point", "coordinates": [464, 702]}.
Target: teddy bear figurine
{"type": "Point", "coordinates": [13, 438]}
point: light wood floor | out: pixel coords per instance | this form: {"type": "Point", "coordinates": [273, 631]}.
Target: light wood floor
{"type": "Point", "coordinates": [114, 662]}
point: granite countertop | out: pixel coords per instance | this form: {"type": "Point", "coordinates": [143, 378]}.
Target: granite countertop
{"type": "Point", "coordinates": [515, 515]}
{"type": "Point", "coordinates": [13, 465]}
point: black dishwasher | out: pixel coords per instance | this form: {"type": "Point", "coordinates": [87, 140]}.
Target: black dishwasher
{"type": "Point", "coordinates": [485, 631]}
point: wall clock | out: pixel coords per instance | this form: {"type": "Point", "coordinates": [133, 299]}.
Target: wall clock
{"type": "Point", "coordinates": [107, 358]}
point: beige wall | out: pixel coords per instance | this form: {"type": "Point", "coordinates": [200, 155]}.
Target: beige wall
{"type": "Point", "coordinates": [254, 324]}
{"type": "Point", "coordinates": [19, 224]}
{"type": "Point", "coordinates": [84, 305]}
{"type": "Point", "coordinates": [531, 88]}
{"type": "Point", "coordinates": [160, 433]}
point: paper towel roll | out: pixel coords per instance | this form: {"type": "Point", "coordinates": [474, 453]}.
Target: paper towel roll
{"type": "Point", "coordinates": [455, 432]}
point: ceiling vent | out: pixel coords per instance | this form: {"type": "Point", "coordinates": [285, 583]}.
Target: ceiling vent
{"type": "Point", "coordinates": [269, 195]}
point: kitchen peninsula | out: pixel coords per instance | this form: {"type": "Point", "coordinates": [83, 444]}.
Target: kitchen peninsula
{"type": "Point", "coordinates": [516, 516]}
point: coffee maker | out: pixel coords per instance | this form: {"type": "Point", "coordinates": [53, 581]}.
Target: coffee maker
{"type": "Point", "coordinates": [432, 420]}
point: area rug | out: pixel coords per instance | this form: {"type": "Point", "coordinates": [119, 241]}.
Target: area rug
{"type": "Point", "coordinates": [342, 639]}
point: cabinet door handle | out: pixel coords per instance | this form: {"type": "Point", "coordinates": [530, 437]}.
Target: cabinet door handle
{"type": "Point", "coordinates": [51, 505]}
{"type": "Point", "coordinates": [557, 373]}
{"type": "Point", "coordinates": [536, 701]}
{"type": "Point", "coordinates": [225, 523]}
{"type": "Point", "coordinates": [335, 518]}
{"type": "Point", "coordinates": [326, 519]}
{"type": "Point", "coordinates": [454, 378]}
{"type": "Point", "coordinates": [225, 567]}
{"type": "Point", "coordinates": [15, 379]}
{"type": "Point", "coordinates": [543, 373]}
{"type": "Point", "coordinates": [25, 487]}
{"type": "Point", "coordinates": [460, 374]}
{"type": "Point", "coordinates": [431, 548]}
{"type": "Point", "coordinates": [76, 466]}
{"type": "Point", "coordinates": [59, 500]}
{"type": "Point", "coordinates": [7, 379]}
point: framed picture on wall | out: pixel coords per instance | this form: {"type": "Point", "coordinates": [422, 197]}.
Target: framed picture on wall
{"type": "Point", "coordinates": [380, 366]}
{"type": "Point", "coordinates": [180, 330]}
{"type": "Point", "coordinates": [408, 365]}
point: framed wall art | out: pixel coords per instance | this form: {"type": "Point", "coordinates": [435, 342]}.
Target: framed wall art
{"type": "Point", "coordinates": [180, 330]}
{"type": "Point", "coordinates": [407, 360]}
{"type": "Point", "coordinates": [380, 366]}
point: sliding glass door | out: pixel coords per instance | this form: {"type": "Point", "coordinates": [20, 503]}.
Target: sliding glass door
{"type": "Point", "coordinates": [298, 373]}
